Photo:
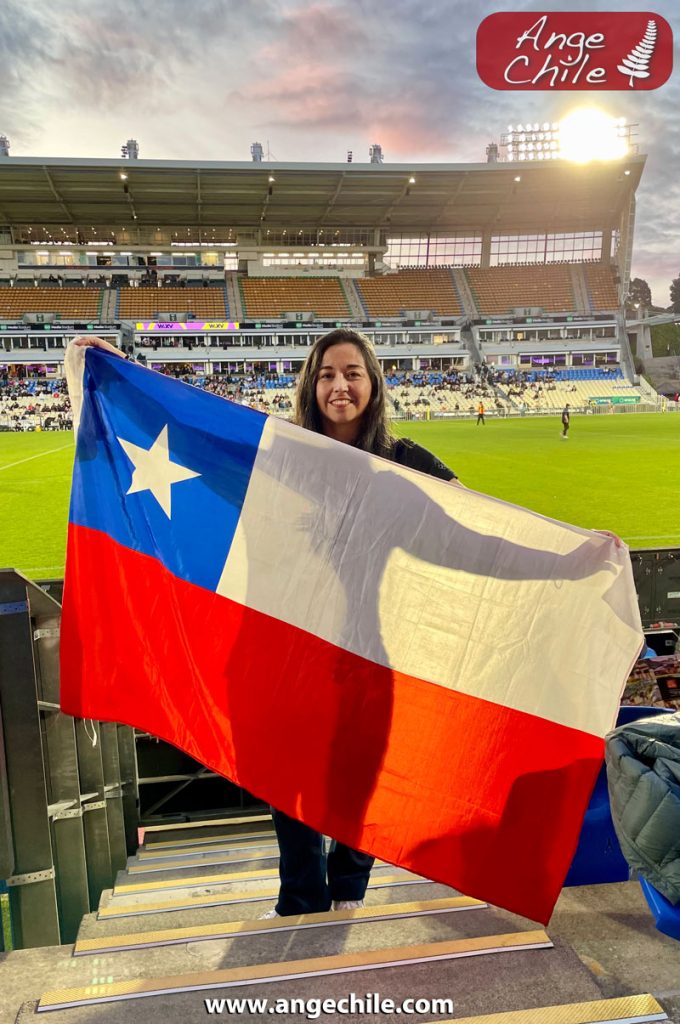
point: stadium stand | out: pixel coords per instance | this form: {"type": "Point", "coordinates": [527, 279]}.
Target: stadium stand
{"type": "Point", "coordinates": [275, 296]}
{"type": "Point", "coordinates": [601, 286]}
{"type": "Point", "coordinates": [410, 289]}
{"type": "Point", "coordinates": [210, 303]}
{"type": "Point", "coordinates": [503, 289]}
{"type": "Point", "coordinates": [66, 303]}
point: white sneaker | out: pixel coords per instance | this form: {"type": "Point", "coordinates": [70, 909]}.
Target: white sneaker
{"type": "Point", "coordinates": [270, 915]}
{"type": "Point", "coordinates": [348, 904]}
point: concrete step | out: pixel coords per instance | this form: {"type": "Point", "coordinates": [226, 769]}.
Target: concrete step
{"type": "Point", "coordinates": [608, 926]}
{"type": "Point", "coordinates": [203, 828]}
{"type": "Point", "coordinates": [324, 964]}
{"type": "Point", "coordinates": [225, 837]}
{"type": "Point", "coordinates": [253, 891]}
{"type": "Point", "coordinates": [161, 852]}
{"type": "Point", "coordinates": [193, 875]}
{"type": "Point", "coordinates": [200, 858]}
{"type": "Point", "coordinates": [112, 941]}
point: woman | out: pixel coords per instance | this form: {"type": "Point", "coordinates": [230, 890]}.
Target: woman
{"type": "Point", "coordinates": [341, 393]}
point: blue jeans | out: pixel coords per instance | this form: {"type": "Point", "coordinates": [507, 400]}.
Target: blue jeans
{"type": "Point", "coordinates": [310, 881]}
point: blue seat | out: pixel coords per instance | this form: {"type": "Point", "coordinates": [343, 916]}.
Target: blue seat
{"type": "Point", "coordinates": [598, 856]}
{"type": "Point", "coordinates": [666, 916]}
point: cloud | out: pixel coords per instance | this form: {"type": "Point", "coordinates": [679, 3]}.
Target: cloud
{"type": "Point", "coordinates": [315, 77]}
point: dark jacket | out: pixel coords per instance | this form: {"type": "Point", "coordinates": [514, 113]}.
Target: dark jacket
{"type": "Point", "coordinates": [643, 774]}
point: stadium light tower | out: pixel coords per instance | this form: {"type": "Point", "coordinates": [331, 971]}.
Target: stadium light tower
{"type": "Point", "coordinates": [4, 145]}
{"type": "Point", "coordinates": [584, 135]}
{"type": "Point", "coordinates": [257, 152]}
{"type": "Point", "coordinates": [492, 153]}
{"type": "Point", "coordinates": [375, 154]}
{"type": "Point", "coordinates": [130, 149]}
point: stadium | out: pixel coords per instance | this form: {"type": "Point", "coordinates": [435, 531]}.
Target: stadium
{"type": "Point", "coordinates": [502, 284]}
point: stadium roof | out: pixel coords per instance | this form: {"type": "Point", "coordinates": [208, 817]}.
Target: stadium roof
{"type": "Point", "coordinates": [551, 195]}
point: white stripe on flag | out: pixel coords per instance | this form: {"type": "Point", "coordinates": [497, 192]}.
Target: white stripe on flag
{"type": "Point", "coordinates": [435, 581]}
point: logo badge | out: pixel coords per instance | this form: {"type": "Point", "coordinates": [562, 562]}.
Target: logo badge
{"type": "Point", "coordinates": [559, 50]}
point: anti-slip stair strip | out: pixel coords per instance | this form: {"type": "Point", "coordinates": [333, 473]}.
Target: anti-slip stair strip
{"type": "Point", "coordinates": [626, 1010]}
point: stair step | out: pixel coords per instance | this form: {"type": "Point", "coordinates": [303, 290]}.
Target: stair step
{"type": "Point", "coordinates": [202, 860]}
{"type": "Point", "coordinates": [98, 992]}
{"type": "Point", "coordinates": [182, 844]}
{"type": "Point", "coordinates": [188, 882]}
{"type": "Point", "coordinates": [146, 856]}
{"type": "Point", "coordinates": [235, 929]}
{"type": "Point", "coordinates": [626, 1010]}
{"type": "Point", "coordinates": [118, 908]}
{"type": "Point", "coordinates": [187, 827]}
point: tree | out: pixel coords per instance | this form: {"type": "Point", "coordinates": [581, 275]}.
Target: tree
{"type": "Point", "coordinates": [675, 295]}
{"type": "Point", "coordinates": [639, 293]}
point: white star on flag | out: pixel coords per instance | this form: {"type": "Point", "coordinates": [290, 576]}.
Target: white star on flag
{"type": "Point", "coordinates": [153, 469]}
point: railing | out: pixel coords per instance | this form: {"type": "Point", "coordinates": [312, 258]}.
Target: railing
{"type": "Point", "coordinates": [68, 802]}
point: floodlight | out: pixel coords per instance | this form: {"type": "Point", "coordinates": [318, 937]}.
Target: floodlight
{"type": "Point", "coordinates": [518, 177]}
{"type": "Point", "coordinates": [590, 134]}
{"type": "Point", "coordinates": [411, 181]}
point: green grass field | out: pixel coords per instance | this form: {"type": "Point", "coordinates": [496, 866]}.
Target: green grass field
{"type": "Point", "coordinates": [619, 473]}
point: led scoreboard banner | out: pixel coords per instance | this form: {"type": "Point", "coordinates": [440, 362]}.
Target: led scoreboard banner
{"type": "Point", "coordinates": [190, 325]}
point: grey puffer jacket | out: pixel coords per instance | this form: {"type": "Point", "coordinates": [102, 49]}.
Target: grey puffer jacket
{"type": "Point", "coordinates": [643, 775]}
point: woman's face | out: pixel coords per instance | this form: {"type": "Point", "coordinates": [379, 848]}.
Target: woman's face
{"type": "Point", "coordinates": [343, 391]}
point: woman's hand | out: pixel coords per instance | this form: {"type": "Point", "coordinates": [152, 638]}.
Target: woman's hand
{"type": "Point", "coordinates": [607, 533]}
{"type": "Point", "coordinates": [91, 340]}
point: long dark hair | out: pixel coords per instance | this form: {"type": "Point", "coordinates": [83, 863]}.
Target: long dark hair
{"type": "Point", "coordinates": [375, 434]}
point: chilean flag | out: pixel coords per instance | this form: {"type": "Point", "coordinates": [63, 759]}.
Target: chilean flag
{"type": "Point", "coordinates": [420, 671]}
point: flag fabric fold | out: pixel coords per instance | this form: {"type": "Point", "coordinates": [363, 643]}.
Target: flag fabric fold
{"type": "Point", "coordinates": [420, 671]}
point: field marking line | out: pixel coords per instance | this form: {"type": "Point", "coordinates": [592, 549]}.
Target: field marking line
{"type": "Point", "coordinates": [38, 456]}
{"type": "Point", "coordinates": [663, 536]}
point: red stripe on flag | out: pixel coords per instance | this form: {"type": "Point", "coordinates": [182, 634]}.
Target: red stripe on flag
{"type": "Point", "coordinates": [464, 791]}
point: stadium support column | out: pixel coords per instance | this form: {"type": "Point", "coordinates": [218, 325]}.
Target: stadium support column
{"type": "Point", "coordinates": [485, 260]}
{"type": "Point", "coordinates": [624, 252]}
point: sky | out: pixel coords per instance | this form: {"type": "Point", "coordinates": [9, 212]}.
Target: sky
{"type": "Point", "coordinates": [203, 79]}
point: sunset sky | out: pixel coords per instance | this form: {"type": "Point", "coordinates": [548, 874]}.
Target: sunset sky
{"type": "Point", "coordinates": [203, 79]}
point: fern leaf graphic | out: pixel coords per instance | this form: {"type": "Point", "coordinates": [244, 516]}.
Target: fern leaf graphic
{"type": "Point", "coordinates": [636, 64]}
